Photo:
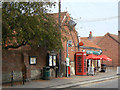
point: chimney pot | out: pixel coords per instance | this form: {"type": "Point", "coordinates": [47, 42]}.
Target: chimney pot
{"type": "Point", "coordinates": [90, 35]}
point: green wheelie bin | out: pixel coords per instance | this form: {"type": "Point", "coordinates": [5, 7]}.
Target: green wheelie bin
{"type": "Point", "coordinates": [46, 73]}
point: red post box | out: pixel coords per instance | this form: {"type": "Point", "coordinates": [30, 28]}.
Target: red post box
{"type": "Point", "coordinates": [69, 71]}
{"type": "Point", "coordinates": [81, 68]}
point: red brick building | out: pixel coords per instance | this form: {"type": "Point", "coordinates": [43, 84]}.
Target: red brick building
{"type": "Point", "coordinates": [70, 34]}
{"type": "Point", "coordinates": [109, 44]}
{"type": "Point", "coordinates": [17, 60]}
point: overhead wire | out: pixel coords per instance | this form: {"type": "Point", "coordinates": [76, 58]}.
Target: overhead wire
{"type": "Point", "coordinates": [98, 19]}
{"type": "Point", "coordinates": [91, 20]}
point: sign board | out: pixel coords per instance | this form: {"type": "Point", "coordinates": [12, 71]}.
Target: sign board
{"type": "Point", "coordinates": [93, 52]}
{"type": "Point", "coordinates": [69, 43]}
{"type": "Point", "coordinates": [54, 60]}
{"type": "Point", "coordinates": [50, 60]}
{"type": "Point", "coordinates": [33, 60]}
{"type": "Point", "coordinates": [67, 61]}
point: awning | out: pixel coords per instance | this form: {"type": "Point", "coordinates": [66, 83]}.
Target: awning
{"type": "Point", "coordinates": [98, 57]}
{"type": "Point", "coordinates": [93, 57]}
{"type": "Point", "coordinates": [104, 57]}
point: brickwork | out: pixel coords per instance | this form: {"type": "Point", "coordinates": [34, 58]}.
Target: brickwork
{"type": "Point", "coordinates": [110, 48]}
{"type": "Point", "coordinates": [18, 59]}
{"type": "Point", "coordinates": [11, 61]}
{"type": "Point", "coordinates": [71, 35]}
{"type": "Point", "coordinates": [119, 49]}
{"type": "Point", "coordinates": [110, 44]}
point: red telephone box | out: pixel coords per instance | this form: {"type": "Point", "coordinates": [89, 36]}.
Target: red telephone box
{"type": "Point", "coordinates": [81, 68]}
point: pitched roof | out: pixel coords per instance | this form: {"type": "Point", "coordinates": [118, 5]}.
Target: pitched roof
{"type": "Point", "coordinates": [88, 43]}
{"type": "Point", "coordinates": [114, 37]}
{"type": "Point", "coordinates": [56, 15]}
{"type": "Point", "coordinates": [95, 40]}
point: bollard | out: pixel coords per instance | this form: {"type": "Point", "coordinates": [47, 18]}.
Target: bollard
{"type": "Point", "coordinates": [23, 77]}
{"type": "Point", "coordinates": [12, 78]}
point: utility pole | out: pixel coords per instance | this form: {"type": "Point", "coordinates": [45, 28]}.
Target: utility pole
{"type": "Point", "coordinates": [59, 22]}
{"type": "Point", "coordinates": [66, 60]}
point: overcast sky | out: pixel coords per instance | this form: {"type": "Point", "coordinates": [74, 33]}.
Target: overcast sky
{"type": "Point", "coordinates": [98, 16]}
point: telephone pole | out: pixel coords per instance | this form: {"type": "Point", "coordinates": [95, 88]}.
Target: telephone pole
{"type": "Point", "coordinates": [59, 22]}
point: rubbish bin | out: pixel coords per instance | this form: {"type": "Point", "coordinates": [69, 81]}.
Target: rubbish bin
{"type": "Point", "coordinates": [46, 73]}
{"type": "Point", "coordinates": [103, 67]}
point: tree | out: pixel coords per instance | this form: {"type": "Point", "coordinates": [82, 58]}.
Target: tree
{"type": "Point", "coordinates": [29, 23]}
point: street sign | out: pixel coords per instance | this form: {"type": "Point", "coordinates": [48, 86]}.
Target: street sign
{"type": "Point", "coordinates": [69, 43]}
{"type": "Point", "coordinates": [67, 61]}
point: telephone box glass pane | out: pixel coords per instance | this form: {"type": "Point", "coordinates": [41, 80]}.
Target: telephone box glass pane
{"type": "Point", "coordinates": [79, 62]}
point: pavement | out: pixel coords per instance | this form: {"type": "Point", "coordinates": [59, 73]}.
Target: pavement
{"type": "Point", "coordinates": [66, 82]}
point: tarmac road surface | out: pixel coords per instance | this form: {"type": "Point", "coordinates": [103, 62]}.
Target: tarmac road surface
{"type": "Point", "coordinates": [112, 83]}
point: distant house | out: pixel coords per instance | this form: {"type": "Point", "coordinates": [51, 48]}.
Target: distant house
{"type": "Point", "coordinates": [89, 45]}
{"type": "Point", "coordinates": [109, 44]}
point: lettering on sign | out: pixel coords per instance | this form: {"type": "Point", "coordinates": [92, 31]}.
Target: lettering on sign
{"type": "Point", "coordinates": [79, 54]}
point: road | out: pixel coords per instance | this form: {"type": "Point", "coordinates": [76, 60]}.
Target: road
{"type": "Point", "coordinates": [113, 83]}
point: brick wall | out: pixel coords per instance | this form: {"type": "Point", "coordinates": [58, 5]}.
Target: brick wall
{"type": "Point", "coordinates": [18, 61]}
{"type": "Point", "coordinates": [119, 49]}
{"type": "Point", "coordinates": [71, 35]}
{"type": "Point", "coordinates": [11, 61]}
{"type": "Point", "coordinates": [110, 48]}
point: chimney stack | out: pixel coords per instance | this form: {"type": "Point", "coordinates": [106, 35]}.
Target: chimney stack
{"type": "Point", "coordinates": [90, 35]}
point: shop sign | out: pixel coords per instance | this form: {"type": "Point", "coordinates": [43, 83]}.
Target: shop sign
{"type": "Point", "coordinates": [93, 52]}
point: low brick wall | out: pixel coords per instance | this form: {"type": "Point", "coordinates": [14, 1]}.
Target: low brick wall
{"type": "Point", "coordinates": [6, 76]}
